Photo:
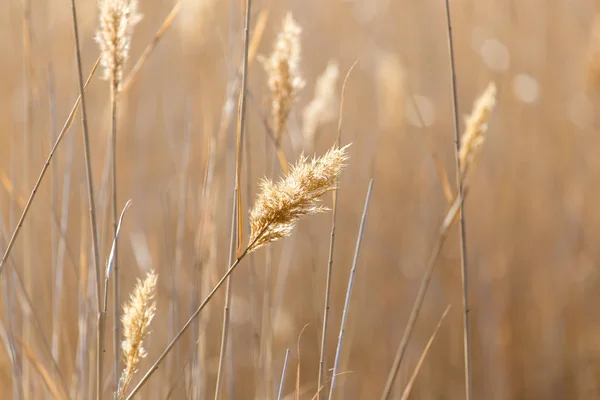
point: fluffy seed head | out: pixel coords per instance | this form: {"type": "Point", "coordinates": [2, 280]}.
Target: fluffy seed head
{"type": "Point", "coordinates": [280, 205]}
{"type": "Point", "coordinates": [137, 316]}
{"type": "Point", "coordinates": [117, 19]}
{"type": "Point", "coordinates": [322, 108]}
{"type": "Point", "coordinates": [282, 68]}
{"type": "Point", "coordinates": [476, 126]}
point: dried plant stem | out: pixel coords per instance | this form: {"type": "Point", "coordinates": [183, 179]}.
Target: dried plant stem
{"type": "Point", "coordinates": [415, 373]}
{"type": "Point", "coordinates": [331, 245]}
{"type": "Point", "coordinates": [349, 292]}
{"type": "Point", "coordinates": [114, 93]}
{"type": "Point", "coordinates": [463, 238]}
{"type": "Point", "coordinates": [34, 191]}
{"type": "Point", "coordinates": [90, 193]}
{"type": "Point", "coordinates": [434, 155]}
{"type": "Point", "coordinates": [128, 81]}
{"type": "Point", "coordinates": [109, 268]}
{"type": "Point", "coordinates": [282, 381]}
{"type": "Point", "coordinates": [174, 341]}
{"type": "Point", "coordinates": [225, 329]}
{"type": "Point", "coordinates": [241, 124]}
{"type": "Point", "coordinates": [414, 313]}
{"type": "Point", "coordinates": [28, 109]}
{"type": "Point", "coordinates": [236, 231]}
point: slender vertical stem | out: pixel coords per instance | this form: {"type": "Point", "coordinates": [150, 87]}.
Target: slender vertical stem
{"type": "Point", "coordinates": [179, 334]}
{"type": "Point", "coordinates": [463, 236]}
{"type": "Point", "coordinates": [331, 243]}
{"type": "Point", "coordinates": [282, 382]}
{"type": "Point", "coordinates": [116, 302]}
{"type": "Point", "coordinates": [225, 329]}
{"type": "Point", "coordinates": [28, 109]}
{"type": "Point", "coordinates": [236, 232]}
{"type": "Point", "coordinates": [34, 191]}
{"type": "Point", "coordinates": [241, 124]}
{"type": "Point", "coordinates": [338, 352]}
{"type": "Point", "coordinates": [416, 308]}
{"type": "Point", "coordinates": [90, 190]}
{"type": "Point", "coordinates": [413, 377]}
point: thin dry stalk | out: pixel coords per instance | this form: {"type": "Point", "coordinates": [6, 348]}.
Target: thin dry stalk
{"type": "Point", "coordinates": [117, 20]}
{"type": "Point", "coordinates": [242, 125]}
{"type": "Point", "coordinates": [116, 301]}
{"type": "Point", "coordinates": [273, 217]}
{"type": "Point", "coordinates": [331, 244]}
{"type": "Point", "coordinates": [237, 212]}
{"type": "Point", "coordinates": [34, 191]}
{"type": "Point", "coordinates": [103, 311]}
{"type": "Point", "coordinates": [226, 310]}
{"type": "Point", "coordinates": [128, 81]}
{"type": "Point", "coordinates": [205, 254]}
{"type": "Point", "coordinates": [415, 373]}
{"type": "Point", "coordinates": [338, 352]}
{"type": "Point", "coordinates": [5, 332]}
{"type": "Point", "coordinates": [298, 365]}
{"type": "Point", "coordinates": [137, 316]}
{"type": "Point", "coordinates": [414, 313]}
{"type": "Point", "coordinates": [284, 79]}
{"type": "Point", "coordinates": [282, 381]}
{"type": "Point", "coordinates": [27, 306]}
{"type": "Point", "coordinates": [56, 392]}
{"type": "Point", "coordinates": [434, 154]}
{"type": "Point", "coordinates": [459, 182]}
{"type": "Point", "coordinates": [83, 360]}
{"type": "Point", "coordinates": [90, 185]}
{"type": "Point", "coordinates": [61, 247]}
{"type": "Point", "coordinates": [28, 109]}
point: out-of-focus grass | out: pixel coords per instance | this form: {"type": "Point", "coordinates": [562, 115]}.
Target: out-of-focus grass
{"type": "Point", "coordinates": [531, 216]}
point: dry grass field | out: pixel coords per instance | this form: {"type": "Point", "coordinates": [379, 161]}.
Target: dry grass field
{"type": "Point", "coordinates": [531, 219]}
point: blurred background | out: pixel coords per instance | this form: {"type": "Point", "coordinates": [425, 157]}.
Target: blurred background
{"type": "Point", "coordinates": [532, 219]}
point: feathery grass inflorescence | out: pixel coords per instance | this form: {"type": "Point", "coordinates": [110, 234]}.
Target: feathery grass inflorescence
{"type": "Point", "coordinates": [283, 71]}
{"type": "Point", "coordinates": [273, 217]}
{"type": "Point", "coordinates": [476, 125]}
{"type": "Point", "coordinates": [322, 108]}
{"type": "Point", "coordinates": [117, 19]}
{"type": "Point", "coordinates": [284, 79]}
{"type": "Point", "coordinates": [137, 316]}
{"type": "Point", "coordinates": [280, 205]}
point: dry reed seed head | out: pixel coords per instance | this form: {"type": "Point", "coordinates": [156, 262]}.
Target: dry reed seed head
{"type": "Point", "coordinates": [282, 68]}
{"type": "Point", "coordinates": [117, 19]}
{"type": "Point", "coordinates": [391, 89]}
{"type": "Point", "coordinates": [476, 126]}
{"type": "Point", "coordinates": [137, 316]}
{"type": "Point", "coordinates": [322, 108]}
{"type": "Point", "coordinates": [280, 205]}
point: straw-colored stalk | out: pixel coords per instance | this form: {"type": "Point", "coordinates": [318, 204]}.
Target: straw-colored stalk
{"type": "Point", "coordinates": [284, 79]}
{"type": "Point", "coordinates": [137, 316]}
{"type": "Point", "coordinates": [117, 20]}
